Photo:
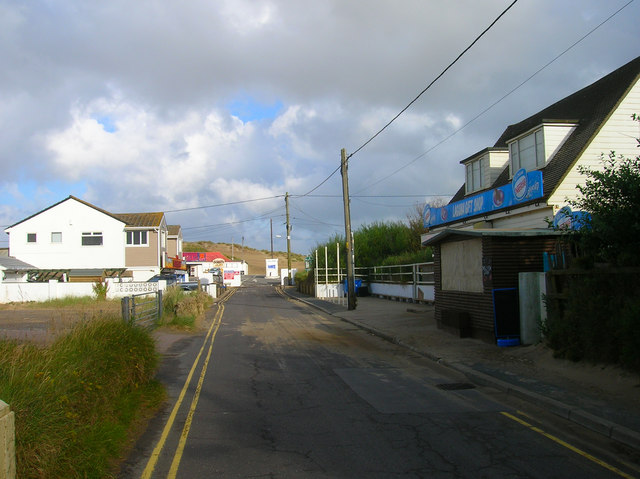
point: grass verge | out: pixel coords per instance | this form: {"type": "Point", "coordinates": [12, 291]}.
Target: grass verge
{"type": "Point", "coordinates": [76, 401]}
{"type": "Point", "coordinates": [182, 309]}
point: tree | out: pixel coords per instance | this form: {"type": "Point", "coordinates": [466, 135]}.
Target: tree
{"type": "Point", "coordinates": [612, 197]}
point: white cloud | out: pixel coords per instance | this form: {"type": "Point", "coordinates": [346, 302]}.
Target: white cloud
{"type": "Point", "coordinates": [126, 101]}
{"type": "Point", "coordinates": [246, 16]}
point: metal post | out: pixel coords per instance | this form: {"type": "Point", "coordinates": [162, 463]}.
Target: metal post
{"type": "Point", "coordinates": [315, 276]}
{"type": "Point", "coordinates": [338, 260]}
{"type": "Point", "coordinates": [326, 270]}
{"type": "Point", "coordinates": [126, 313]}
{"type": "Point", "coordinates": [160, 303]}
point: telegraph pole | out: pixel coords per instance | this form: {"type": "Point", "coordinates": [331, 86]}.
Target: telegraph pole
{"type": "Point", "coordinates": [286, 200]}
{"type": "Point", "coordinates": [271, 226]}
{"type": "Point", "coordinates": [351, 286]}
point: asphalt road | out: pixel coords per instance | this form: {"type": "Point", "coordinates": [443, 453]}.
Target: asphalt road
{"type": "Point", "coordinates": [278, 390]}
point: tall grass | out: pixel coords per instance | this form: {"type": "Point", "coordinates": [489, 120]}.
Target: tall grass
{"type": "Point", "coordinates": [182, 309]}
{"type": "Point", "coordinates": [76, 400]}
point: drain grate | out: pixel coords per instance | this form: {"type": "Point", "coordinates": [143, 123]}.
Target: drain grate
{"type": "Point", "coordinates": [455, 386]}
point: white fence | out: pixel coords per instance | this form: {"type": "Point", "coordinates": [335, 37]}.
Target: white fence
{"type": "Point", "coordinates": [18, 292]}
{"type": "Point", "coordinates": [413, 292]}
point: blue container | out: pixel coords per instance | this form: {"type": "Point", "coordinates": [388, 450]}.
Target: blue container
{"type": "Point", "coordinates": [358, 285]}
{"type": "Point", "coordinates": [507, 342]}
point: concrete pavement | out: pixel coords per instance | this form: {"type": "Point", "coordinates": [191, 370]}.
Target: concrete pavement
{"type": "Point", "coordinates": [604, 399]}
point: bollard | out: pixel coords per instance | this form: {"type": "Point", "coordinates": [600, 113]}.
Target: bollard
{"type": "Point", "coordinates": [7, 442]}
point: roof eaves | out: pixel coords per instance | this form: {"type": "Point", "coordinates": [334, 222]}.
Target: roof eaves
{"type": "Point", "coordinates": [70, 197]}
{"type": "Point", "coordinates": [478, 233]}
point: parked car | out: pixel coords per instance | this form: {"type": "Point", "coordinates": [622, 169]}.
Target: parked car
{"type": "Point", "coordinates": [168, 277]}
{"type": "Point", "coordinates": [188, 286]}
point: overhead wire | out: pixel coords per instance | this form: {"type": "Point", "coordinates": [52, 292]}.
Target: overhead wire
{"type": "Point", "coordinates": [374, 196]}
{"type": "Point", "coordinates": [224, 204]}
{"type": "Point", "coordinates": [322, 183]}
{"type": "Point", "coordinates": [371, 203]}
{"type": "Point", "coordinates": [545, 66]}
{"type": "Point", "coordinates": [434, 80]}
{"type": "Point", "coordinates": [417, 97]}
{"type": "Point", "coordinates": [312, 217]}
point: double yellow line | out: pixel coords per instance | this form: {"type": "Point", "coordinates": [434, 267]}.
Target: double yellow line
{"type": "Point", "coordinates": [567, 445]}
{"type": "Point", "coordinates": [155, 455]}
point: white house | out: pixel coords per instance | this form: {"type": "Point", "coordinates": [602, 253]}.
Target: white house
{"type": "Point", "coordinates": [71, 234]}
{"type": "Point", "coordinates": [73, 240]}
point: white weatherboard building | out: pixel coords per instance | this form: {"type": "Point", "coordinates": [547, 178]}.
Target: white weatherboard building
{"type": "Point", "coordinates": [492, 240]}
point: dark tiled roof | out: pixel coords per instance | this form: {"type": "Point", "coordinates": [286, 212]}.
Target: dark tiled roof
{"type": "Point", "coordinates": [174, 230]}
{"type": "Point", "coordinates": [141, 220]}
{"type": "Point", "coordinates": [459, 195]}
{"type": "Point", "coordinates": [13, 264]}
{"type": "Point", "coordinates": [589, 108]}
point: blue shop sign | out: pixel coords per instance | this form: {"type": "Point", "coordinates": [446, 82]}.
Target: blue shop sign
{"type": "Point", "coordinates": [565, 219]}
{"type": "Point", "coordinates": [525, 186]}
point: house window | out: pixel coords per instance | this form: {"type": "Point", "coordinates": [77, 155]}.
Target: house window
{"type": "Point", "coordinates": [56, 237]}
{"type": "Point", "coordinates": [475, 172]}
{"type": "Point", "coordinates": [92, 239]}
{"type": "Point", "coordinates": [31, 237]}
{"type": "Point", "coordinates": [137, 238]}
{"type": "Point", "coordinates": [527, 152]}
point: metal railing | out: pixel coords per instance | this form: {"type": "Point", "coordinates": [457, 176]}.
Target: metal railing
{"type": "Point", "coordinates": [415, 275]}
{"type": "Point", "coordinates": [419, 273]}
{"type": "Point", "coordinates": [144, 309]}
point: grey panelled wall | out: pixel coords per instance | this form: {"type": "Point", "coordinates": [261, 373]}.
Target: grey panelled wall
{"type": "Point", "coordinates": [503, 257]}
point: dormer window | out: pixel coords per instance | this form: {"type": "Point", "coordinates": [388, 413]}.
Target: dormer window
{"type": "Point", "coordinates": [475, 174]}
{"type": "Point", "coordinates": [527, 152]}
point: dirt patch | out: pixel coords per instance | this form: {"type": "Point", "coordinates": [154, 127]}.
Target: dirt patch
{"type": "Point", "coordinates": [27, 322]}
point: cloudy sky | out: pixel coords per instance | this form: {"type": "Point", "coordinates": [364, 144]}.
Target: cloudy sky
{"type": "Point", "coordinates": [213, 110]}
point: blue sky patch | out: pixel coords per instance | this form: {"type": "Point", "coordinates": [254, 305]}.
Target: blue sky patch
{"type": "Point", "coordinates": [40, 194]}
{"type": "Point", "coordinates": [107, 123]}
{"type": "Point", "coordinates": [248, 109]}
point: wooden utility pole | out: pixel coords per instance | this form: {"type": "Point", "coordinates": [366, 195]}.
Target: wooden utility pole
{"type": "Point", "coordinates": [351, 285]}
{"type": "Point", "coordinates": [271, 227]}
{"type": "Point", "coordinates": [286, 200]}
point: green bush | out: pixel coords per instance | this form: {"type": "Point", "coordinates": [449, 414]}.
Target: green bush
{"type": "Point", "coordinates": [377, 244]}
{"type": "Point", "coordinates": [76, 401]}
{"type": "Point", "coordinates": [599, 321]}
{"type": "Point", "coordinates": [182, 309]}
{"type": "Point", "coordinates": [301, 276]}
{"type": "Point", "coordinates": [100, 289]}
{"type": "Point", "coordinates": [422, 256]}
